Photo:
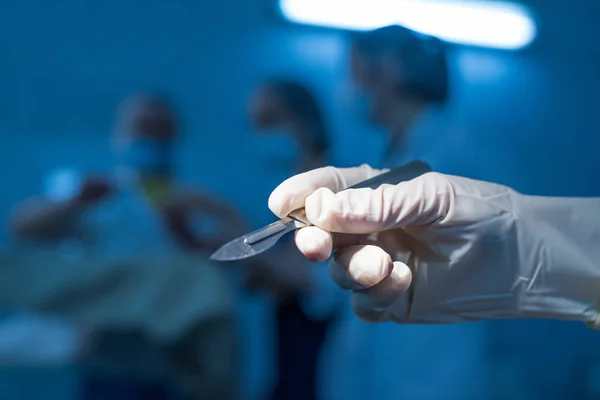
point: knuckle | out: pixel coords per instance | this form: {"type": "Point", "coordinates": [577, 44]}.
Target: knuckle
{"type": "Point", "coordinates": [434, 178]}
{"type": "Point", "coordinates": [367, 268]}
{"type": "Point", "coordinates": [332, 218]}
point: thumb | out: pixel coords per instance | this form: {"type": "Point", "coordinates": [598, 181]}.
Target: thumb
{"type": "Point", "coordinates": [420, 201]}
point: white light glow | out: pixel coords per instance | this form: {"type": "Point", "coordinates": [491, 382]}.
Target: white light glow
{"type": "Point", "coordinates": [476, 23]}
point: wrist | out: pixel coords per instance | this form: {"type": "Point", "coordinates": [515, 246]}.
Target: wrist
{"type": "Point", "coordinates": [73, 206]}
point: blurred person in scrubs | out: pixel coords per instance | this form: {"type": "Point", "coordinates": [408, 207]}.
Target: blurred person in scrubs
{"type": "Point", "coordinates": [403, 85]}
{"type": "Point", "coordinates": [139, 210]}
{"type": "Point", "coordinates": [405, 78]}
{"type": "Point", "coordinates": [292, 127]}
{"type": "Point", "coordinates": [144, 144]}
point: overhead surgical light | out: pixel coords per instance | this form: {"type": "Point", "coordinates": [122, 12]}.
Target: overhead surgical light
{"type": "Point", "coordinates": [494, 24]}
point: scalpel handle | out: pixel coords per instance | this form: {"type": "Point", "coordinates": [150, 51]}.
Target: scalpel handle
{"type": "Point", "coordinates": [396, 175]}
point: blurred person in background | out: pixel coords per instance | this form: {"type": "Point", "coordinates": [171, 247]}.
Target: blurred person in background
{"type": "Point", "coordinates": [288, 115]}
{"type": "Point", "coordinates": [145, 143]}
{"type": "Point", "coordinates": [403, 86]}
{"type": "Point", "coordinates": [405, 78]}
{"type": "Point", "coordinates": [140, 210]}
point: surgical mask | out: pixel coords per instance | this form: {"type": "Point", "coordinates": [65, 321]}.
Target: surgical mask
{"type": "Point", "coordinates": [149, 156]}
{"type": "Point", "coordinates": [278, 149]}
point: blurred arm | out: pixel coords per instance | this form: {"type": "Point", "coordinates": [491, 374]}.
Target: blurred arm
{"type": "Point", "coordinates": [42, 218]}
{"type": "Point", "coordinates": [39, 218]}
{"type": "Point", "coordinates": [205, 204]}
{"type": "Point", "coordinates": [189, 202]}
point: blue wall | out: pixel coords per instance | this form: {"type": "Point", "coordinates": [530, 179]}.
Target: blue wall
{"type": "Point", "coordinates": [66, 65]}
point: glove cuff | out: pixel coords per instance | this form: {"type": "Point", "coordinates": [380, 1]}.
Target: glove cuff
{"type": "Point", "coordinates": [561, 236]}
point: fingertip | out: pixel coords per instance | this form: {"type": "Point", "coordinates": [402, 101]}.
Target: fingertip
{"type": "Point", "coordinates": [279, 202]}
{"type": "Point", "coordinates": [314, 243]}
{"type": "Point", "coordinates": [401, 276]}
{"type": "Point", "coordinates": [291, 193]}
{"type": "Point", "coordinates": [360, 267]}
{"type": "Point", "coordinates": [288, 196]}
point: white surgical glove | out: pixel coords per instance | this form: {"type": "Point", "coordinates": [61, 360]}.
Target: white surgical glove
{"type": "Point", "coordinates": [443, 249]}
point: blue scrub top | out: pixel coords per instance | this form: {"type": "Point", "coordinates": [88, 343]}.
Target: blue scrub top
{"type": "Point", "coordinates": [500, 359]}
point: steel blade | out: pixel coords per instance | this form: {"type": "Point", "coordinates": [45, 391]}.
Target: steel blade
{"type": "Point", "coordinates": [255, 242]}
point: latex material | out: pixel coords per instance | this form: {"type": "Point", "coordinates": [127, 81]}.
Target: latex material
{"type": "Point", "coordinates": [444, 249]}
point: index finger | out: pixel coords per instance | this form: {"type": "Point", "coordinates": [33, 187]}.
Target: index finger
{"type": "Point", "coordinates": [290, 194]}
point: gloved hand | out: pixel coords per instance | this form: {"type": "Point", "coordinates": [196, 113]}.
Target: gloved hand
{"type": "Point", "coordinates": [441, 249]}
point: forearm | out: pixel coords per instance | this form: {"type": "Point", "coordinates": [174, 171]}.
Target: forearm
{"type": "Point", "coordinates": [563, 237]}
{"type": "Point", "coordinates": [41, 218]}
